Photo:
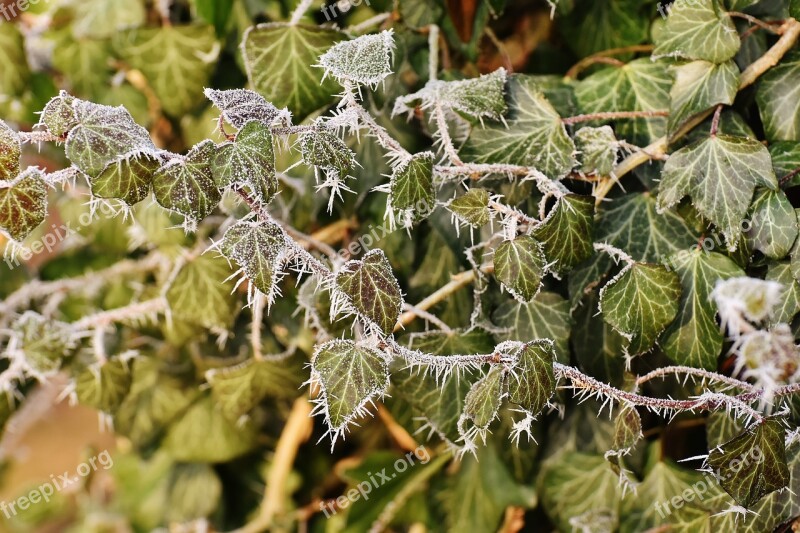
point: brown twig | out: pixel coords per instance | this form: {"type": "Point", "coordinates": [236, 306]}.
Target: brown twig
{"type": "Point", "coordinates": [600, 57]}
{"type": "Point", "coordinates": [613, 115]}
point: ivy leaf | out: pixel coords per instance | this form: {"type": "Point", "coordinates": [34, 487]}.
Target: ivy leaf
{"type": "Point", "coordinates": [13, 63]}
{"type": "Point", "coordinates": [292, 82]}
{"type": "Point", "coordinates": [248, 161]}
{"type": "Point", "coordinates": [785, 160]}
{"type": "Point", "coordinates": [773, 224]}
{"type": "Point", "coordinates": [695, 339]}
{"type": "Point", "coordinates": [598, 347]}
{"type": "Point", "coordinates": [23, 203]}
{"type": "Point", "coordinates": [45, 342]}
{"type": "Point", "coordinates": [519, 265]}
{"type": "Point", "coordinates": [100, 19]}
{"type": "Point", "coordinates": [627, 429]}
{"type": "Point", "coordinates": [411, 186]}
{"type": "Point", "coordinates": [104, 387]}
{"type": "Point", "coordinates": [10, 151]}
{"type": "Point", "coordinates": [720, 173]}
{"type": "Point", "coordinates": [721, 427]}
{"type": "Point", "coordinates": [201, 293]}
{"type": "Point", "coordinates": [240, 106]}
{"type": "Point", "coordinates": [546, 317]}
{"type": "Point", "coordinates": [127, 178]}
{"type": "Point", "coordinates": [701, 85]}
{"type": "Point", "coordinates": [350, 376]}
{"type": "Point", "coordinates": [59, 116]}
{"type": "Point", "coordinates": [753, 464]}
{"type": "Point", "coordinates": [779, 100]}
{"type": "Point", "coordinates": [239, 389]}
{"type": "Point", "coordinates": [194, 492]}
{"type": "Point", "coordinates": [323, 149]}
{"type": "Point", "coordinates": [566, 233]}
{"type": "Point", "coordinates": [259, 250]}
{"type": "Point", "coordinates": [605, 24]}
{"type": "Point", "coordinates": [85, 63]}
{"type": "Point", "coordinates": [472, 207]}
{"type": "Point", "coordinates": [640, 85]}
{"type": "Point", "coordinates": [484, 398]}
{"type": "Point", "coordinates": [176, 60]}
{"type": "Point", "coordinates": [102, 134]}
{"type": "Point", "coordinates": [532, 382]}
{"type": "Point", "coordinates": [366, 59]}
{"type": "Point", "coordinates": [598, 148]}
{"type": "Point", "coordinates": [371, 287]}
{"type": "Point", "coordinates": [698, 29]}
{"type": "Point", "coordinates": [640, 302]}
{"type": "Point", "coordinates": [204, 435]}
{"type": "Point", "coordinates": [535, 135]}
{"type": "Point", "coordinates": [186, 184]}
{"type": "Point", "coordinates": [788, 304]}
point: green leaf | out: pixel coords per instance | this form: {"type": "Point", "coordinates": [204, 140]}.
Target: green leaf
{"type": "Point", "coordinates": [695, 339]}
{"type": "Point", "coordinates": [350, 377]}
{"type": "Point", "coordinates": [240, 388]}
{"type": "Point", "coordinates": [186, 184]}
{"type": "Point", "coordinates": [59, 116]}
{"type": "Point", "coordinates": [201, 293]}
{"type": "Point", "coordinates": [778, 98]}
{"type": "Point", "coordinates": [249, 161]}
{"type": "Point", "coordinates": [293, 81]}
{"type": "Point", "coordinates": [23, 203]}
{"type": "Point", "coordinates": [640, 302]}
{"type": "Point", "coordinates": [598, 148]}
{"type": "Point", "coordinates": [240, 106]}
{"type": "Point", "coordinates": [598, 347]}
{"type": "Point", "coordinates": [627, 429]}
{"type": "Point", "coordinates": [519, 265]}
{"type": "Point", "coordinates": [698, 29]}
{"type": "Point", "coordinates": [366, 59]}
{"type": "Point", "coordinates": [105, 386]}
{"type": "Point", "coordinates": [323, 149]}
{"type": "Point", "coordinates": [259, 248]}
{"type": "Point", "coordinates": [99, 19]}
{"type": "Point", "coordinates": [45, 342]}
{"type": "Point", "coordinates": [483, 399]}
{"type": "Point", "coordinates": [10, 151]}
{"type": "Point", "coordinates": [532, 382]}
{"type": "Point", "coordinates": [472, 207]}
{"type": "Point", "coordinates": [546, 317]}
{"type": "Point", "coordinates": [204, 435]}
{"type": "Point", "coordinates": [606, 24]}
{"type": "Point", "coordinates": [411, 186]}
{"type": "Point", "coordinates": [789, 300]}
{"type": "Point", "coordinates": [721, 427]}
{"type": "Point", "coordinates": [773, 223]}
{"type": "Point", "coordinates": [699, 86]}
{"type": "Point", "coordinates": [194, 493]}
{"type": "Point", "coordinates": [720, 174]}
{"type": "Point", "coordinates": [85, 63]}
{"type": "Point", "coordinates": [127, 178]}
{"type": "Point", "coordinates": [641, 85]}
{"type": "Point", "coordinates": [753, 464]}
{"type": "Point", "coordinates": [785, 160]}
{"type": "Point", "coordinates": [566, 233]}
{"type": "Point", "coordinates": [13, 63]}
{"type": "Point", "coordinates": [102, 135]}
{"type": "Point", "coordinates": [535, 135]}
{"type": "Point", "coordinates": [576, 486]}
{"type": "Point", "coordinates": [372, 289]}
{"type": "Point", "coordinates": [176, 60]}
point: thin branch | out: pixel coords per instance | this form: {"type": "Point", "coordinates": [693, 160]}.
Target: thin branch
{"type": "Point", "coordinates": [134, 311]}
{"type": "Point", "coordinates": [444, 136]}
{"type": "Point", "coordinates": [784, 180]}
{"type": "Point", "coordinates": [369, 23]}
{"type": "Point", "coordinates": [613, 115]}
{"type": "Point", "coordinates": [433, 52]}
{"type": "Point", "coordinates": [694, 372]}
{"type": "Point", "coordinates": [299, 11]}
{"type": "Point", "coordinates": [715, 121]}
{"type": "Point", "coordinates": [600, 57]}
{"type": "Point", "coordinates": [753, 20]}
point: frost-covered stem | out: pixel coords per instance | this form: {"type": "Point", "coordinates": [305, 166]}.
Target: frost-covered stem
{"type": "Point", "coordinates": [416, 357]}
{"type": "Point", "coordinates": [457, 282]}
{"type": "Point", "coordinates": [259, 302]}
{"type": "Point", "coordinates": [512, 212]}
{"type": "Point", "coordinates": [290, 130]}
{"type": "Point", "coordinates": [133, 311]}
{"type": "Point", "coordinates": [695, 372]}
{"type": "Point", "coordinates": [613, 115]}
{"type": "Point", "coordinates": [705, 402]}
{"type": "Point", "coordinates": [38, 137]}
{"type": "Point", "coordinates": [600, 57]}
{"type": "Point", "coordinates": [299, 11]}
{"type": "Point", "coordinates": [380, 133]}
{"type": "Point", "coordinates": [753, 20]}
{"type": "Point", "coordinates": [369, 23]}
{"type": "Point", "coordinates": [433, 52]}
{"type": "Point", "coordinates": [433, 319]}
{"type": "Point", "coordinates": [311, 242]}
{"type": "Point", "coordinates": [478, 170]}
{"type": "Point", "coordinates": [615, 253]}
{"type": "Point", "coordinates": [444, 136]}
{"type": "Point", "coordinates": [99, 345]}
{"type": "Point", "coordinates": [785, 390]}
{"type": "Point", "coordinates": [790, 31]}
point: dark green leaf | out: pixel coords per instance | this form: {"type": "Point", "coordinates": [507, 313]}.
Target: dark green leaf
{"type": "Point", "coordinates": [698, 29]}
{"type": "Point", "coordinates": [186, 184]}
{"type": "Point", "coordinates": [483, 399]}
{"type": "Point", "coordinates": [249, 162]}
{"type": "Point", "coordinates": [519, 265]}
{"type": "Point", "coordinates": [127, 178]}
{"type": "Point", "coordinates": [699, 86]}
{"type": "Point", "coordinates": [23, 203]}
{"type": "Point", "coordinates": [566, 234]}
{"type": "Point", "coordinates": [372, 289]}
{"type": "Point", "coordinates": [259, 250]}
{"type": "Point", "coordinates": [532, 382]}
{"type": "Point", "coordinates": [546, 317]}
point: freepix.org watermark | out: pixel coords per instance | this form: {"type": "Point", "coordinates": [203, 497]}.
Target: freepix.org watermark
{"type": "Point", "coordinates": [343, 6]}
{"type": "Point", "coordinates": [13, 9]}
{"type": "Point", "coordinates": [699, 489]}
{"type": "Point", "coordinates": [57, 483]}
{"type": "Point", "coordinates": [374, 480]}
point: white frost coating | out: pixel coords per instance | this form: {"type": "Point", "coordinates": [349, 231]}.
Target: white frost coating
{"type": "Point", "coordinates": [238, 106]}
{"type": "Point", "coordinates": [366, 60]}
{"type": "Point", "coordinates": [745, 299]}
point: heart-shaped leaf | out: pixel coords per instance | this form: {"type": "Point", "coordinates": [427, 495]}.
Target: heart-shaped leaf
{"type": "Point", "coordinates": [701, 85]}
{"type": "Point", "coordinates": [519, 265]}
{"type": "Point", "coordinates": [698, 29]}
{"type": "Point", "coordinates": [566, 233]}
{"type": "Point", "coordinates": [411, 186]}
{"type": "Point", "coordinates": [532, 382]}
{"type": "Point", "coordinates": [472, 207]}
{"type": "Point", "coordinates": [23, 203]}
{"type": "Point", "coordinates": [350, 376]}
{"type": "Point", "coordinates": [127, 178]}
{"type": "Point", "coordinates": [10, 151]}
{"type": "Point", "coordinates": [484, 398]}
{"type": "Point", "coordinates": [259, 250]}
{"type": "Point", "coordinates": [773, 224]}
{"type": "Point", "coordinates": [249, 161]}
{"type": "Point", "coordinates": [598, 148]}
{"type": "Point", "coordinates": [366, 59]}
{"type": "Point", "coordinates": [186, 184]}
{"type": "Point", "coordinates": [323, 149]}
{"type": "Point", "coordinates": [372, 289]}
{"type": "Point", "coordinates": [240, 106]}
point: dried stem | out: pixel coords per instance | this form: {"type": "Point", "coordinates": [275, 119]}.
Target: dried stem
{"type": "Point", "coordinates": [753, 20]}
{"type": "Point", "coordinates": [613, 115]}
{"type": "Point", "coordinates": [600, 57]}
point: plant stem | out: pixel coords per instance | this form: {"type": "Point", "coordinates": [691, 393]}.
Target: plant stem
{"type": "Point", "coordinates": [694, 372]}
{"type": "Point", "coordinates": [129, 312]}
{"type": "Point", "coordinates": [715, 121]}
{"type": "Point", "coordinates": [753, 20]}
{"type": "Point", "coordinates": [613, 115]}
{"type": "Point", "coordinates": [444, 136]}
{"type": "Point", "coordinates": [599, 57]}
{"type": "Point", "coordinates": [299, 11]}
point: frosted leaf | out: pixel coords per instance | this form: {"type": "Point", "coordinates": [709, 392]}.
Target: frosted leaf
{"type": "Point", "coordinates": [42, 342]}
{"type": "Point", "coordinates": [744, 298]}
{"type": "Point", "coordinates": [186, 185]}
{"type": "Point", "coordinates": [239, 106]}
{"type": "Point", "coordinates": [370, 286]}
{"type": "Point", "coordinates": [248, 161]}
{"type": "Point", "coordinates": [23, 203]}
{"type": "Point", "coordinates": [323, 149]}
{"type": "Point", "coordinates": [102, 135]}
{"type": "Point", "coordinates": [484, 398]}
{"type": "Point", "coordinates": [365, 60]}
{"type": "Point", "coordinates": [128, 178]}
{"type": "Point", "coordinates": [10, 151]}
{"type": "Point", "coordinates": [259, 249]}
{"type": "Point", "coordinates": [59, 116]}
{"type": "Point", "coordinates": [411, 187]}
{"type": "Point", "coordinates": [105, 386]}
{"type": "Point", "coordinates": [519, 264]}
{"type": "Point", "coordinates": [532, 382]}
{"type": "Point", "coordinates": [350, 377]}
{"type": "Point", "coordinates": [598, 148]}
{"type": "Point", "coordinates": [472, 207]}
